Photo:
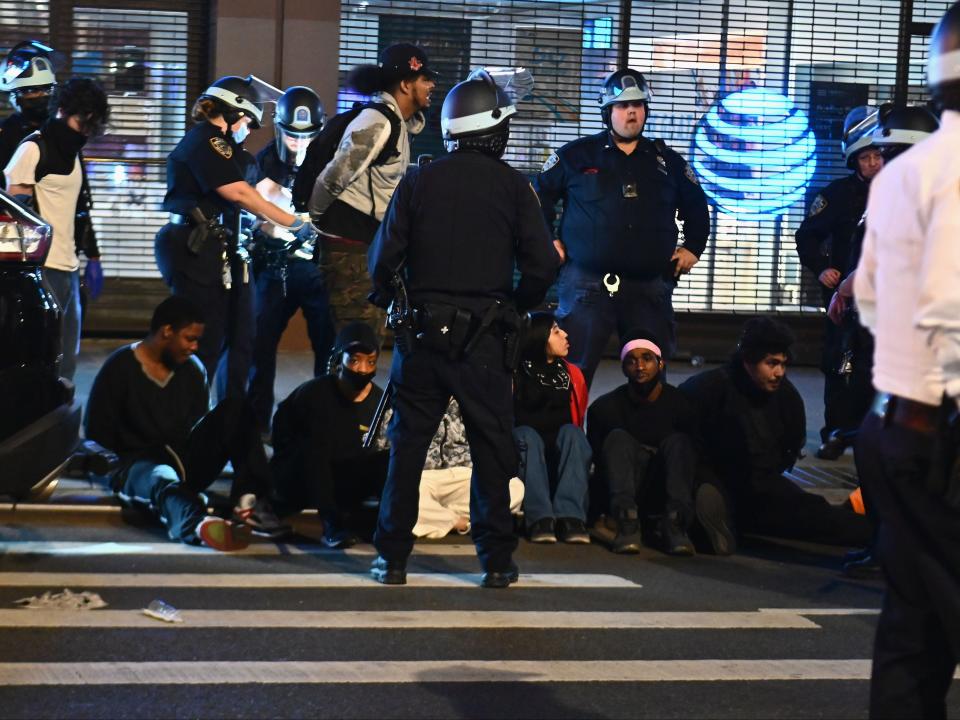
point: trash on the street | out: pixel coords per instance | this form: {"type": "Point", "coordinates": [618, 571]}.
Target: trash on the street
{"type": "Point", "coordinates": [66, 600]}
{"type": "Point", "coordinates": [159, 610]}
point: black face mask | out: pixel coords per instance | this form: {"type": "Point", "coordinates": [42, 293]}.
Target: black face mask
{"type": "Point", "coordinates": [34, 110]}
{"type": "Point", "coordinates": [354, 380]}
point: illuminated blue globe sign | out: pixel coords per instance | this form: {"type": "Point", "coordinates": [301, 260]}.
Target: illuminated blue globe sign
{"type": "Point", "coordinates": [755, 153]}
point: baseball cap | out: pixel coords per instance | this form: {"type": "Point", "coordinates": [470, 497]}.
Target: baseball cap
{"type": "Point", "coordinates": [405, 59]}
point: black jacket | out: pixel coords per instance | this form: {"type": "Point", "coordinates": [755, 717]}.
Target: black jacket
{"type": "Point", "coordinates": [823, 238]}
{"type": "Point", "coordinates": [462, 224]}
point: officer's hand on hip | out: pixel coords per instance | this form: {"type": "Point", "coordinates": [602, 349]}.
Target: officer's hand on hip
{"type": "Point", "coordinates": [561, 251]}
{"type": "Point", "coordinates": [685, 260]}
{"type": "Point", "coordinates": [830, 277]}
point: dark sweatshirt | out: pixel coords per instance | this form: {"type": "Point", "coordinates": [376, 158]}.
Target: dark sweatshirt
{"type": "Point", "coordinates": [650, 423]}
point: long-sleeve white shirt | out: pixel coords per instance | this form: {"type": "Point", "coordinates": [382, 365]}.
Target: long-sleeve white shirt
{"type": "Point", "coordinates": [907, 284]}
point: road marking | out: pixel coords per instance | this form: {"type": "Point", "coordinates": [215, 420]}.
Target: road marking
{"type": "Point", "coordinates": [295, 580]}
{"type": "Point", "coordinates": [812, 612]}
{"type": "Point", "coordinates": [431, 671]}
{"type": "Point", "coordinates": [36, 547]}
{"type": "Point", "coordinates": [410, 619]}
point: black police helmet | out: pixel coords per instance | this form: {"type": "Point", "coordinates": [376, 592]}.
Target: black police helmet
{"type": "Point", "coordinates": [943, 64]}
{"type": "Point", "coordinates": [299, 117]}
{"type": "Point", "coordinates": [476, 116]}
{"type": "Point", "coordinates": [858, 130]}
{"type": "Point", "coordinates": [239, 96]}
{"type": "Point", "coordinates": [902, 126]}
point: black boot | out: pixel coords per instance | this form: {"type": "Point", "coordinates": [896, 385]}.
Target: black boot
{"type": "Point", "coordinates": [628, 540]}
{"type": "Point", "coordinates": [675, 539]}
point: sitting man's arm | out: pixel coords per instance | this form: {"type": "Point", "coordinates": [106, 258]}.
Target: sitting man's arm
{"type": "Point", "coordinates": [103, 417]}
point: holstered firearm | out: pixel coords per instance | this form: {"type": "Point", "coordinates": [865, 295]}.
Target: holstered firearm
{"type": "Point", "coordinates": [205, 229]}
{"type": "Point", "coordinates": [400, 317]}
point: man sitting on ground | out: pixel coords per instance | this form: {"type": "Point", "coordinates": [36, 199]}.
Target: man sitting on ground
{"type": "Point", "coordinates": [752, 428]}
{"type": "Point", "coordinates": [149, 405]}
{"type": "Point", "coordinates": [640, 432]}
{"type": "Point", "coordinates": [318, 430]}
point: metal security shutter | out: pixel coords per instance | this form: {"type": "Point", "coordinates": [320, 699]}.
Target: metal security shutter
{"type": "Point", "coordinates": [150, 56]}
{"type": "Point", "coordinates": [568, 46]}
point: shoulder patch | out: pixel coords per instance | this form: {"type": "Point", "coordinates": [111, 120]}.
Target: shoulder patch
{"type": "Point", "coordinates": [221, 147]}
{"type": "Point", "coordinates": [551, 161]}
{"type": "Point", "coordinates": [691, 175]}
{"type": "Point", "coordinates": [818, 206]}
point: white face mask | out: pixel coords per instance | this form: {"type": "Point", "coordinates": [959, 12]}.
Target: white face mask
{"type": "Point", "coordinates": [241, 134]}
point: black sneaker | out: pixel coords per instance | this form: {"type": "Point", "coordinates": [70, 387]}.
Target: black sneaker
{"type": "Point", "coordinates": [675, 539]}
{"type": "Point", "coordinates": [714, 517]}
{"type": "Point", "coordinates": [258, 515]}
{"type": "Point", "coordinates": [573, 531]}
{"type": "Point", "coordinates": [389, 572]}
{"type": "Point", "coordinates": [542, 531]}
{"type": "Point", "coordinates": [628, 539]}
{"type": "Point", "coordinates": [339, 538]}
{"type": "Point", "coordinates": [493, 579]}
{"type": "Point", "coordinates": [831, 448]}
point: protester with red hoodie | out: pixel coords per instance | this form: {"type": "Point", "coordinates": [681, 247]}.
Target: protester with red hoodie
{"type": "Point", "coordinates": [550, 401]}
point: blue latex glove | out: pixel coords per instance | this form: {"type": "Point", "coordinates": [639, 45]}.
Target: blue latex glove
{"type": "Point", "coordinates": [93, 278]}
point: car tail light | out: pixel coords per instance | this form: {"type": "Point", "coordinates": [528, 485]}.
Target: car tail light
{"type": "Point", "coordinates": [24, 236]}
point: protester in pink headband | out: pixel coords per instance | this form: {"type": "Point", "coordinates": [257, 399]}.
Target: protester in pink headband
{"type": "Point", "coordinates": [640, 345]}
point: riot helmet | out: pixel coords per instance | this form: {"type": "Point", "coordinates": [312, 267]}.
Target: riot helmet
{"type": "Point", "coordinates": [902, 126]}
{"type": "Point", "coordinates": [239, 98]}
{"type": "Point", "coordinates": [858, 130]}
{"type": "Point", "coordinates": [28, 71]}
{"type": "Point", "coordinates": [476, 116]}
{"type": "Point", "coordinates": [298, 119]}
{"type": "Point", "coordinates": [943, 64]}
{"type": "Point", "coordinates": [623, 86]}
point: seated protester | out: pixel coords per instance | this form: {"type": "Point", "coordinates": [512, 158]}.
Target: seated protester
{"type": "Point", "coordinates": [445, 482]}
{"type": "Point", "coordinates": [549, 400]}
{"type": "Point", "coordinates": [318, 430]}
{"type": "Point", "coordinates": [149, 405]}
{"type": "Point", "coordinates": [641, 432]}
{"type": "Point", "coordinates": [752, 428]}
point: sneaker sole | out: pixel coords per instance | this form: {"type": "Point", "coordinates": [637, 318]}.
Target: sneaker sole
{"type": "Point", "coordinates": [224, 536]}
{"type": "Point", "coordinates": [543, 539]}
{"type": "Point", "coordinates": [577, 540]}
{"type": "Point", "coordinates": [711, 511]}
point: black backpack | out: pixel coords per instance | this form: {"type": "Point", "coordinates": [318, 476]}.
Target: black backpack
{"type": "Point", "coordinates": [321, 151]}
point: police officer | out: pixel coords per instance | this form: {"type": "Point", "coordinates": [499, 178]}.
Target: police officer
{"type": "Point", "coordinates": [28, 76]}
{"type": "Point", "coordinates": [287, 276]}
{"type": "Point", "coordinates": [897, 129]}
{"type": "Point", "coordinates": [823, 244]}
{"type": "Point", "coordinates": [908, 296]}
{"type": "Point", "coordinates": [621, 194]}
{"type": "Point", "coordinates": [457, 226]}
{"type": "Point", "coordinates": [197, 251]}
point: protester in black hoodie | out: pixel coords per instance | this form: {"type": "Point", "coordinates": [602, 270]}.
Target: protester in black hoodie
{"type": "Point", "coordinates": [752, 428]}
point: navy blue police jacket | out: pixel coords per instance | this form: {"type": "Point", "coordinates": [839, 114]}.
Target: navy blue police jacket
{"type": "Point", "coordinates": [603, 230]}
{"type": "Point", "coordinates": [461, 224]}
{"type": "Point", "coordinates": [823, 238]}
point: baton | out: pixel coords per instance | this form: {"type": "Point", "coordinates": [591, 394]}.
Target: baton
{"type": "Point", "coordinates": [377, 420]}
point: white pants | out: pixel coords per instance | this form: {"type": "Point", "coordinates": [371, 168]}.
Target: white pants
{"type": "Point", "coordinates": [445, 498]}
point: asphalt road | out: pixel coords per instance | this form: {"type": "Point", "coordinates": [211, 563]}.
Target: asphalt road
{"type": "Point", "coordinates": [295, 630]}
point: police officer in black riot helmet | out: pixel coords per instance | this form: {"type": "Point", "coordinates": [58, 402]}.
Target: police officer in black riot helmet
{"type": "Point", "coordinates": [823, 244]}
{"type": "Point", "coordinates": [621, 194]}
{"type": "Point", "coordinates": [197, 251]}
{"type": "Point", "coordinates": [27, 74]}
{"type": "Point", "coordinates": [286, 271]}
{"type": "Point", "coordinates": [455, 229]}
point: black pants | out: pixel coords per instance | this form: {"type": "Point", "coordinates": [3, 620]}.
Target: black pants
{"type": "Point", "coordinates": [226, 347]}
{"type": "Point", "coordinates": [631, 468]}
{"type": "Point", "coordinates": [912, 480]}
{"type": "Point", "coordinates": [334, 486]}
{"type": "Point", "coordinates": [423, 383]}
{"type": "Point", "coordinates": [772, 504]}
{"type": "Point", "coordinates": [169, 486]}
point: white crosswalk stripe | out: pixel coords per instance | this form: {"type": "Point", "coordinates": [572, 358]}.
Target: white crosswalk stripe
{"type": "Point", "coordinates": [39, 547]}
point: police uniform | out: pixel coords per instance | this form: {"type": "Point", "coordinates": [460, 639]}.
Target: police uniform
{"type": "Point", "coordinates": [459, 224]}
{"type": "Point", "coordinates": [908, 296]}
{"type": "Point", "coordinates": [287, 278]}
{"type": "Point", "coordinates": [823, 241]}
{"type": "Point", "coordinates": [214, 275]}
{"type": "Point", "coordinates": [619, 229]}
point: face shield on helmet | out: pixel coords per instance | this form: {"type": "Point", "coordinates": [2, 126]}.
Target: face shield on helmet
{"type": "Point", "coordinates": [476, 115]}
{"type": "Point", "coordinates": [298, 120]}
{"type": "Point", "coordinates": [27, 74]}
{"type": "Point", "coordinates": [901, 127]}
{"type": "Point", "coordinates": [622, 86]}
{"type": "Point", "coordinates": [858, 129]}
{"type": "Point", "coordinates": [243, 97]}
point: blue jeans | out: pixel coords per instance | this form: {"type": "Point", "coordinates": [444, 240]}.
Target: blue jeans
{"type": "Point", "coordinates": [572, 457]}
{"type": "Point", "coordinates": [65, 285]}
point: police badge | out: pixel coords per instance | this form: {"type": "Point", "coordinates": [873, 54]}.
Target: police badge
{"type": "Point", "coordinates": [222, 147]}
